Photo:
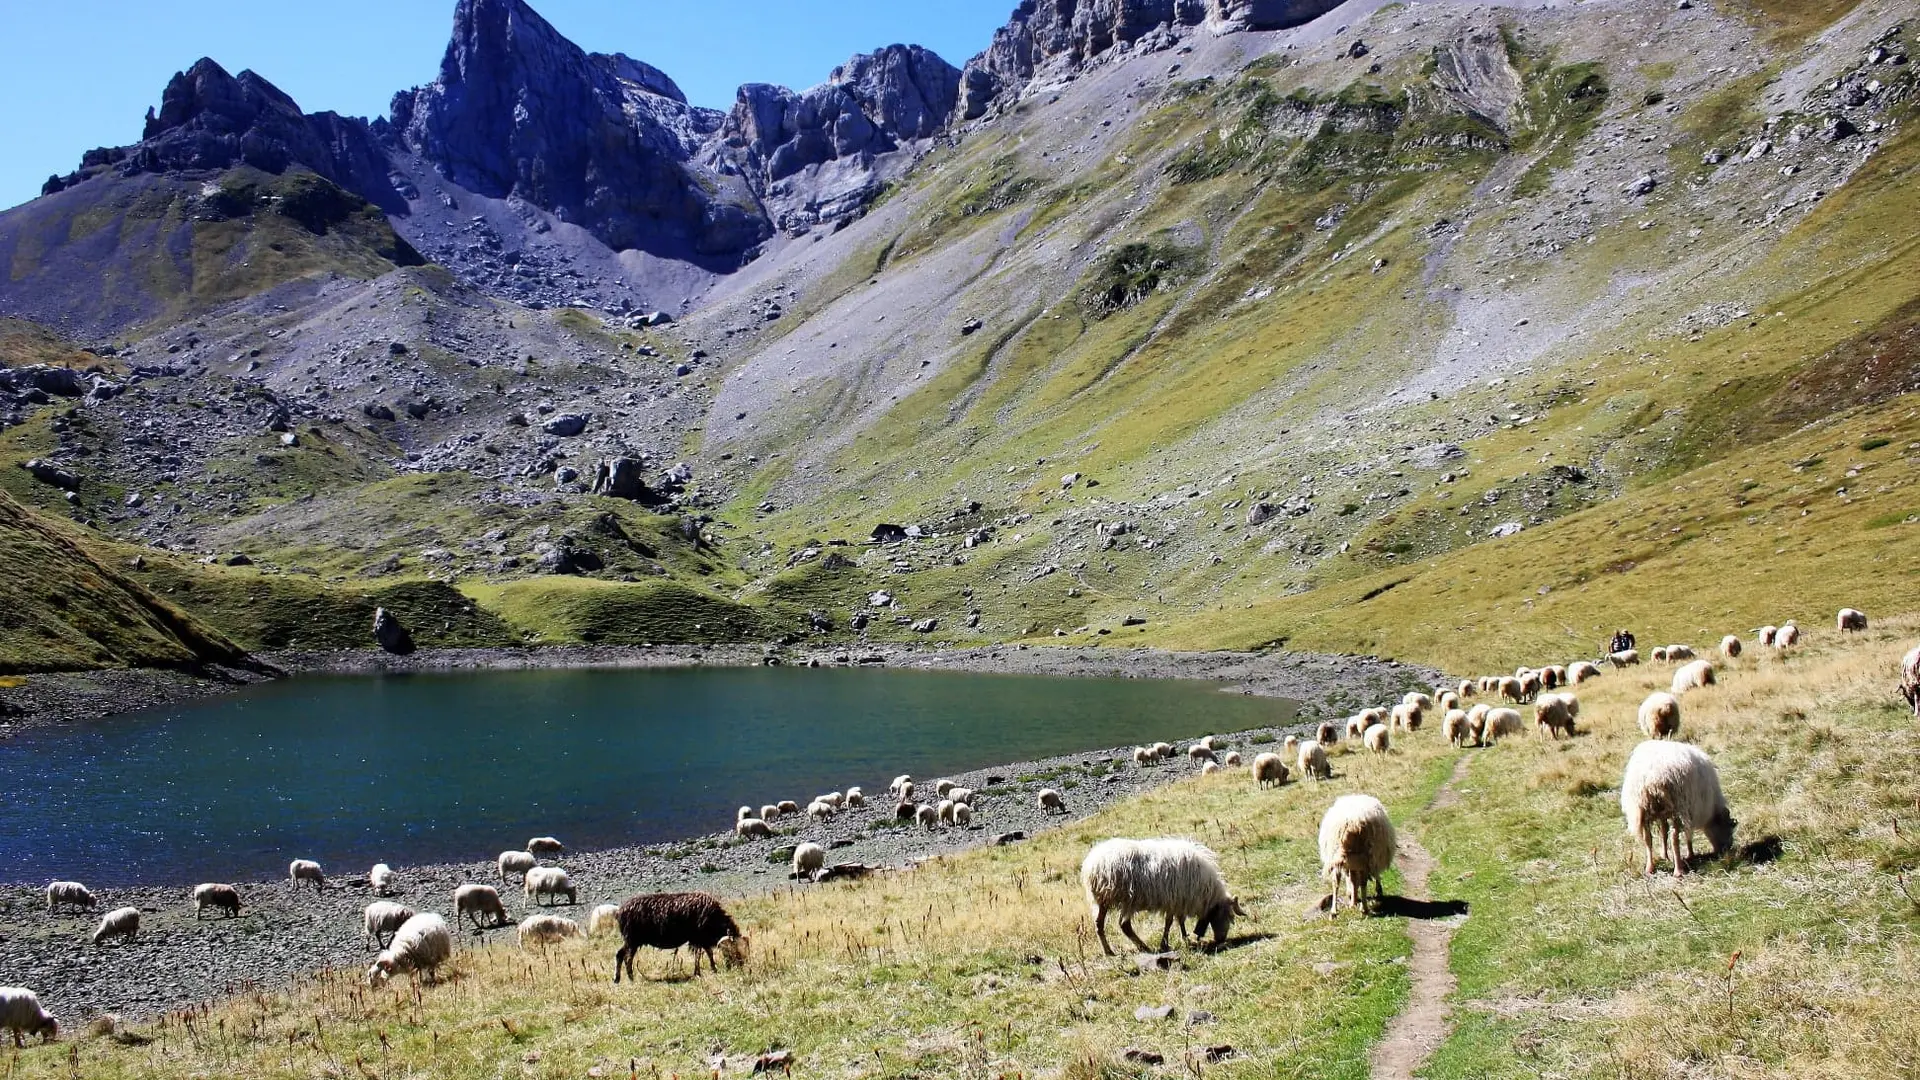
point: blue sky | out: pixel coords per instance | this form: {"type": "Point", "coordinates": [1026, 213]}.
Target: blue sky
{"type": "Point", "coordinates": [81, 73]}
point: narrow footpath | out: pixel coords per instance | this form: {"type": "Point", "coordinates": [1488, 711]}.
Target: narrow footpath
{"type": "Point", "coordinates": [1413, 1035]}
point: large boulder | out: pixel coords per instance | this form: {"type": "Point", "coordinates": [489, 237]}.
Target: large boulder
{"type": "Point", "coordinates": [620, 478]}
{"type": "Point", "coordinates": [390, 633]}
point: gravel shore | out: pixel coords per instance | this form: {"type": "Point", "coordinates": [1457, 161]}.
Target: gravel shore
{"type": "Point", "coordinates": [283, 933]}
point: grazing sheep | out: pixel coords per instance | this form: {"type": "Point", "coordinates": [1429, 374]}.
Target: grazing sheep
{"type": "Point", "coordinates": [546, 845]}
{"type": "Point", "coordinates": [1730, 646]}
{"type": "Point", "coordinates": [1327, 733]}
{"type": "Point", "coordinates": [1200, 752]}
{"type": "Point", "coordinates": [1910, 680]}
{"type": "Point", "coordinates": [70, 893]}
{"type": "Point", "coordinates": [1177, 878]}
{"type": "Point", "coordinates": [1447, 702]}
{"type": "Point", "coordinates": [1677, 653]}
{"type": "Point", "coordinates": [788, 806]}
{"type": "Point", "coordinates": [1692, 676]}
{"type": "Point", "coordinates": [381, 878]}
{"type": "Point", "coordinates": [1788, 637]}
{"type": "Point", "coordinates": [856, 797]}
{"type": "Point", "coordinates": [1552, 676]}
{"type": "Point", "coordinates": [1488, 683]}
{"type": "Point", "coordinates": [1356, 847]}
{"type": "Point", "coordinates": [422, 943]}
{"type": "Point", "coordinates": [1232, 760]}
{"type": "Point", "coordinates": [1624, 658]}
{"type": "Point", "coordinates": [898, 782]}
{"type": "Point", "coordinates": [1455, 727]}
{"type": "Point", "coordinates": [1499, 723]}
{"type": "Point", "coordinates": [1049, 801]}
{"type": "Point", "coordinates": [820, 811]}
{"type": "Point", "coordinates": [1581, 670]}
{"type": "Point", "coordinates": [1209, 768]}
{"type": "Point", "coordinates": [212, 895]}
{"type": "Point", "coordinates": [605, 919]}
{"type": "Point", "coordinates": [769, 812]}
{"type": "Point", "coordinates": [1512, 690]}
{"type": "Point", "coordinates": [1659, 654]}
{"type": "Point", "coordinates": [1467, 688]}
{"type": "Point", "coordinates": [122, 923]}
{"type": "Point", "coordinates": [928, 817]}
{"type": "Point", "coordinates": [1311, 760]}
{"type": "Point", "coordinates": [1674, 786]}
{"type": "Point", "coordinates": [549, 881]}
{"type": "Point", "coordinates": [742, 814]}
{"type": "Point", "coordinates": [1765, 635]}
{"type": "Point", "coordinates": [833, 799]}
{"type": "Point", "coordinates": [808, 859]}
{"type": "Point", "coordinates": [1375, 715]}
{"type": "Point", "coordinates": [1357, 725]}
{"type": "Point", "coordinates": [1529, 686]}
{"type": "Point", "coordinates": [670, 920]}
{"type": "Point", "coordinates": [383, 919]}
{"type": "Point", "coordinates": [1418, 701]}
{"type": "Point", "coordinates": [544, 930]}
{"type": "Point", "coordinates": [1377, 739]}
{"type": "Point", "coordinates": [906, 793]}
{"type": "Point", "coordinates": [1269, 769]}
{"type": "Point", "coordinates": [1851, 620]}
{"type": "Point", "coordinates": [905, 811]}
{"type": "Point", "coordinates": [1407, 716]}
{"type": "Point", "coordinates": [1211, 742]}
{"type": "Point", "coordinates": [1163, 750]}
{"type": "Point", "coordinates": [1660, 716]}
{"type": "Point", "coordinates": [961, 794]}
{"type": "Point", "coordinates": [962, 815]}
{"type": "Point", "coordinates": [22, 1014]}
{"type": "Point", "coordinates": [944, 811]}
{"type": "Point", "coordinates": [1143, 757]}
{"type": "Point", "coordinates": [300, 870]}
{"type": "Point", "coordinates": [474, 903]}
{"type": "Point", "coordinates": [752, 827]}
{"type": "Point", "coordinates": [1555, 713]}
{"type": "Point", "coordinates": [516, 862]}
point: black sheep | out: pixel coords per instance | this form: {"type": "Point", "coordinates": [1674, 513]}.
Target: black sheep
{"type": "Point", "coordinates": [670, 920]}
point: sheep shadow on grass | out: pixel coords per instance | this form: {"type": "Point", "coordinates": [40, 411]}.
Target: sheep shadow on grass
{"type": "Point", "coordinates": [1240, 941]}
{"type": "Point", "coordinates": [1389, 907]}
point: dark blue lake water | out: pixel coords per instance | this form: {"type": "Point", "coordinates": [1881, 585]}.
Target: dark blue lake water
{"type": "Point", "coordinates": [437, 768]}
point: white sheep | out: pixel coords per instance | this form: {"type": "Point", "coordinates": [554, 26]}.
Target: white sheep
{"type": "Point", "coordinates": [1499, 723]}
{"type": "Point", "coordinates": [22, 1014]}
{"type": "Point", "coordinates": [1209, 768]}
{"type": "Point", "coordinates": [944, 811]}
{"type": "Point", "coordinates": [543, 930]}
{"type": "Point", "coordinates": [1143, 757]}
{"type": "Point", "coordinates": [1199, 753]}
{"type": "Point", "coordinates": [1407, 716]}
{"type": "Point", "coordinates": [808, 859]}
{"type": "Point", "coordinates": [1512, 690]}
{"type": "Point", "coordinates": [1730, 646]}
{"type": "Point", "coordinates": [769, 812]}
{"type": "Point", "coordinates": [1447, 702]}
{"type": "Point", "coordinates": [1357, 725]}
{"type": "Point", "coordinates": [1910, 680]}
{"type": "Point", "coordinates": [1851, 620]}
{"type": "Point", "coordinates": [605, 919]}
{"type": "Point", "coordinates": [1581, 670]}
{"type": "Point", "coordinates": [548, 881]}
{"type": "Point", "coordinates": [1177, 878]}
{"type": "Point", "coordinates": [1788, 637]}
{"type": "Point", "coordinates": [1377, 739]}
{"type": "Point", "coordinates": [1455, 728]}
{"type": "Point", "coordinates": [833, 799]}
{"type": "Point", "coordinates": [961, 795]}
{"type": "Point", "coordinates": [1212, 742]}
{"type": "Point", "coordinates": [1232, 760]}
{"type": "Point", "coordinates": [382, 919]}
{"type": "Point", "coordinates": [1356, 847]}
{"type": "Point", "coordinates": [820, 811]}
{"type": "Point", "coordinates": [1677, 653]}
{"type": "Point", "coordinates": [742, 814]}
{"type": "Point", "coordinates": [1555, 713]}
{"type": "Point", "coordinates": [70, 893]}
{"type": "Point", "coordinates": [752, 827]}
{"type": "Point", "coordinates": [1269, 769]}
{"type": "Point", "coordinates": [1467, 688]}
{"type": "Point", "coordinates": [898, 782]}
{"type": "Point", "coordinates": [516, 862]}
{"type": "Point", "coordinates": [1554, 675]}
{"type": "Point", "coordinates": [1312, 761]}
{"type": "Point", "coordinates": [962, 815]}
{"type": "Point", "coordinates": [788, 806]}
{"type": "Point", "coordinates": [422, 943]}
{"type": "Point", "coordinates": [122, 923]}
{"type": "Point", "coordinates": [1049, 801]}
{"type": "Point", "coordinates": [1660, 716]}
{"type": "Point", "coordinates": [1692, 677]}
{"type": "Point", "coordinates": [856, 797]}
{"type": "Point", "coordinates": [216, 895]}
{"type": "Point", "coordinates": [547, 846]}
{"type": "Point", "coordinates": [1765, 635]}
{"type": "Point", "coordinates": [480, 905]}
{"type": "Point", "coordinates": [1659, 654]}
{"type": "Point", "coordinates": [1673, 786]}
{"type": "Point", "coordinates": [1327, 733]}
{"type": "Point", "coordinates": [1624, 658]}
{"type": "Point", "coordinates": [906, 792]}
{"type": "Point", "coordinates": [300, 870]}
{"type": "Point", "coordinates": [1163, 751]}
{"type": "Point", "coordinates": [927, 816]}
{"type": "Point", "coordinates": [382, 878]}
{"type": "Point", "coordinates": [1419, 701]}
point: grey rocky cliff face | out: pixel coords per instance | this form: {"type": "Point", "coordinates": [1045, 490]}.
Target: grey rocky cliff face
{"type": "Point", "coordinates": [874, 104]}
{"type": "Point", "coordinates": [1072, 32]}
{"type": "Point", "coordinates": [604, 142]}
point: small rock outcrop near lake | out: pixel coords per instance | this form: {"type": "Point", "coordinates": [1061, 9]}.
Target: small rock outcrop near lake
{"type": "Point", "coordinates": [392, 635]}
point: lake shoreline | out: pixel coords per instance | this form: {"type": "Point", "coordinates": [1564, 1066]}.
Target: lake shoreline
{"type": "Point", "coordinates": [285, 934]}
{"type": "Point", "coordinates": [56, 698]}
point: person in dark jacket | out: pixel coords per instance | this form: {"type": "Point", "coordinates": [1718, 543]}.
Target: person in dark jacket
{"type": "Point", "coordinates": [1622, 641]}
